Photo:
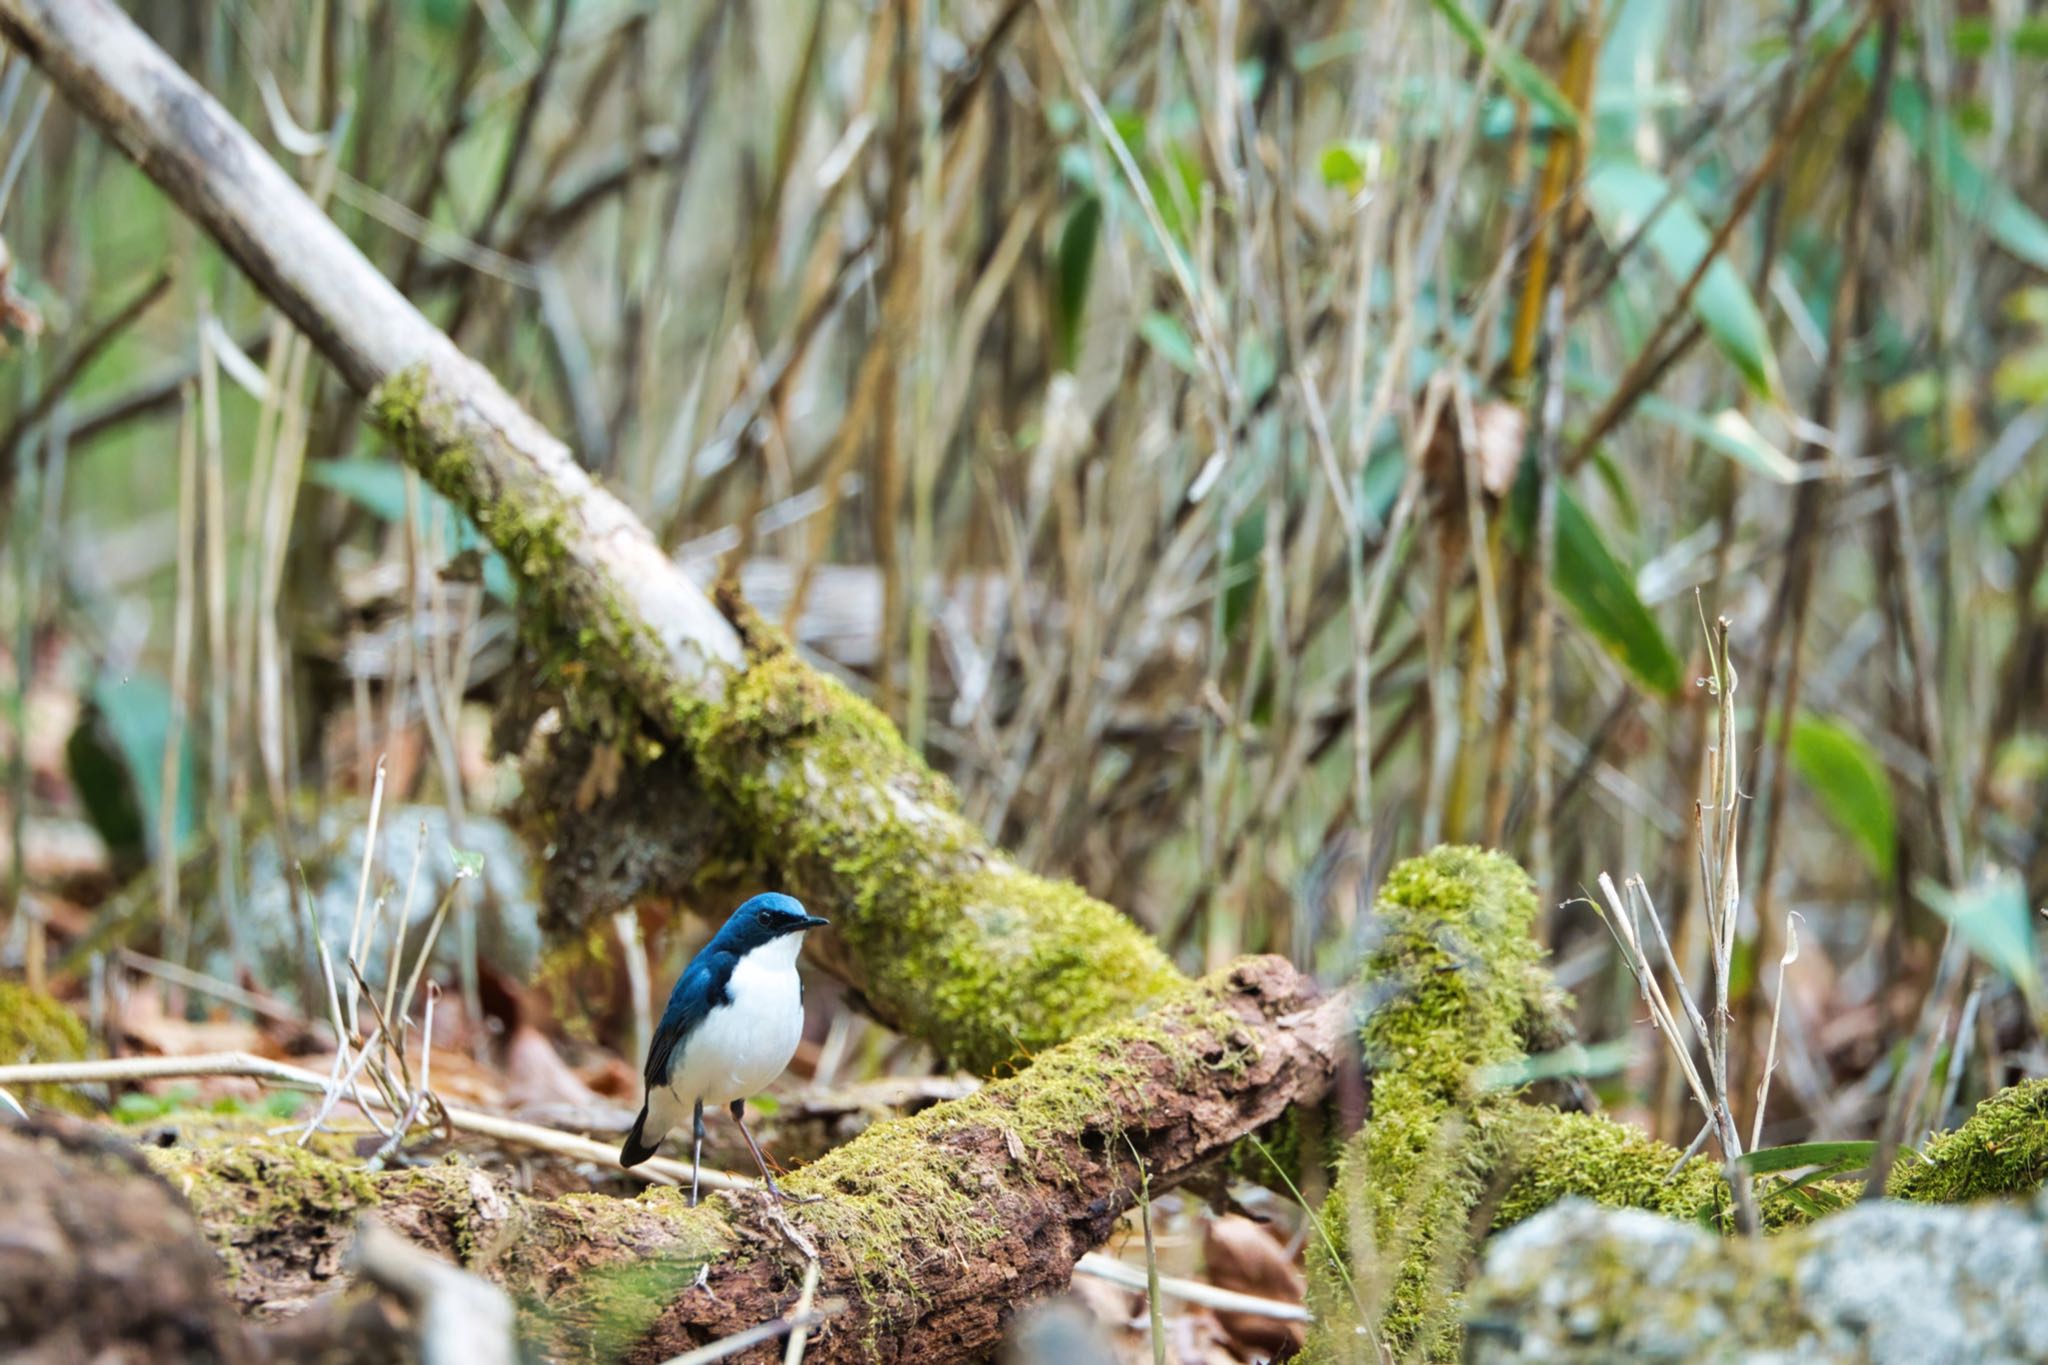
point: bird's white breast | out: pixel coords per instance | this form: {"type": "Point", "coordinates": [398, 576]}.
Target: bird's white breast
{"type": "Point", "coordinates": [743, 1045]}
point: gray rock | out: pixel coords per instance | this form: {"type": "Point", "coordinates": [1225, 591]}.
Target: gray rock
{"type": "Point", "coordinates": [1880, 1284]}
{"type": "Point", "coordinates": [501, 896]}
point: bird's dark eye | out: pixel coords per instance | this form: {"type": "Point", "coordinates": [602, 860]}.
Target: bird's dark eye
{"type": "Point", "coordinates": [764, 917]}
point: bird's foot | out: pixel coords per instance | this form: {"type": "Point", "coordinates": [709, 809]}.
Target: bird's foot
{"type": "Point", "coordinates": [782, 1198]}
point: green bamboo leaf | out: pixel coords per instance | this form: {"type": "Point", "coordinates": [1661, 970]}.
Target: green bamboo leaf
{"type": "Point", "coordinates": [1993, 917]}
{"type": "Point", "coordinates": [1981, 197]}
{"type": "Point", "coordinates": [1622, 196]}
{"type": "Point", "coordinates": [378, 487]}
{"type": "Point", "coordinates": [115, 757]}
{"type": "Point", "coordinates": [1516, 71]}
{"type": "Point", "coordinates": [1599, 588]}
{"type": "Point", "coordinates": [1601, 1059]}
{"type": "Point", "coordinates": [1851, 784]}
{"type": "Point", "coordinates": [1601, 591]}
{"type": "Point", "coordinates": [1847, 1155]}
{"type": "Point", "coordinates": [1164, 334]}
{"type": "Point", "coordinates": [1626, 91]}
{"type": "Point", "coordinates": [1074, 262]}
{"type": "Point", "coordinates": [1727, 431]}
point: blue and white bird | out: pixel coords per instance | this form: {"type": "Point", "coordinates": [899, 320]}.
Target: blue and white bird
{"type": "Point", "coordinates": [732, 1024]}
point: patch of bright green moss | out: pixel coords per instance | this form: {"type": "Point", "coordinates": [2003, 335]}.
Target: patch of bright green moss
{"type": "Point", "coordinates": [1447, 987]}
{"type": "Point", "coordinates": [2001, 1149]}
{"type": "Point", "coordinates": [1550, 1155]}
{"type": "Point", "coordinates": [35, 1028]}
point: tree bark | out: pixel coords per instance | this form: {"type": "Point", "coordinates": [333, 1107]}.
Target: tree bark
{"type": "Point", "coordinates": [929, 1229]}
{"type": "Point", "coordinates": [942, 936]}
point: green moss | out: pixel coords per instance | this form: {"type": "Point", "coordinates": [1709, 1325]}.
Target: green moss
{"type": "Point", "coordinates": [918, 1187]}
{"type": "Point", "coordinates": [1447, 987]}
{"type": "Point", "coordinates": [1447, 981]}
{"type": "Point", "coordinates": [1549, 1155]}
{"type": "Point", "coordinates": [955, 944]}
{"type": "Point", "coordinates": [632, 1259]}
{"type": "Point", "coordinates": [2001, 1149]}
{"type": "Point", "coordinates": [586, 648]}
{"type": "Point", "coordinates": [245, 1191]}
{"type": "Point", "coordinates": [35, 1028]}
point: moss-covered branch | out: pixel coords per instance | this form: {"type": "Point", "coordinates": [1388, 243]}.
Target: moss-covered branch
{"type": "Point", "coordinates": [931, 1227]}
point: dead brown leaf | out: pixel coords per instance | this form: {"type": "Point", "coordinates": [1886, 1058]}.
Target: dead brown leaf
{"type": "Point", "coordinates": [1244, 1255]}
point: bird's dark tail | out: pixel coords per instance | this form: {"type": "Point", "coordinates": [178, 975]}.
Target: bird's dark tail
{"type": "Point", "coordinates": [636, 1149]}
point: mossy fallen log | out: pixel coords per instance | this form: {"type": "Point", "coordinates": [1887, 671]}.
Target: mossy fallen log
{"type": "Point", "coordinates": [929, 1228]}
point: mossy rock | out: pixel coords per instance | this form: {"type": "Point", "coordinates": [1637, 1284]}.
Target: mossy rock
{"type": "Point", "coordinates": [35, 1028]}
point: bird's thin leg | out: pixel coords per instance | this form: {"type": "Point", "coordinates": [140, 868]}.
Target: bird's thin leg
{"type": "Point", "coordinates": [697, 1152]}
{"type": "Point", "coordinates": [739, 1116]}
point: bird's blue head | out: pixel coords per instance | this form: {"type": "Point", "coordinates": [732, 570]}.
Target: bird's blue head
{"type": "Point", "coordinates": [763, 919]}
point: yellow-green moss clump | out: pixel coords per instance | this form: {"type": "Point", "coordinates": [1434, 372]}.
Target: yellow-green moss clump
{"type": "Point", "coordinates": [1545, 1155]}
{"type": "Point", "coordinates": [956, 945]}
{"type": "Point", "coordinates": [2001, 1149]}
{"type": "Point", "coordinates": [592, 1273]}
{"type": "Point", "coordinates": [35, 1028]}
{"type": "Point", "coordinates": [1446, 985]}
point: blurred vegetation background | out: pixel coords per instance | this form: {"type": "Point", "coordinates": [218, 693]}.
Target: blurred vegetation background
{"type": "Point", "coordinates": [1239, 444]}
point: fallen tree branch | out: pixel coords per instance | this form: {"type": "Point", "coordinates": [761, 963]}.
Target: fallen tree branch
{"type": "Point", "coordinates": [943, 936]}
{"type": "Point", "coordinates": [657, 1170]}
{"type": "Point", "coordinates": [929, 1228]}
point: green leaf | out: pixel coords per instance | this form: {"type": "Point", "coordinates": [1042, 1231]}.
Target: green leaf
{"type": "Point", "coordinates": [1727, 431]}
{"type": "Point", "coordinates": [1602, 1059]}
{"type": "Point", "coordinates": [1241, 568]}
{"type": "Point", "coordinates": [1851, 784]}
{"type": "Point", "coordinates": [1994, 918]}
{"type": "Point", "coordinates": [1165, 335]}
{"type": "Point", "coordinates": [1599, 588]}
{"type": "Point", "coordinates": [1979, 196]}
{"type": "Point", "coordinates": [1601, 591]}
{"type": "Point", "coordinates": [1516, 71]}
{"type": "Point", "coordinates": [1974, 37]}
{"type": "Point", "coordinates": [467, 863]}
{"type": "Point", "coordinates": [1622, 196]}
{"type": "Point", "coordinates": [1257, 366]}
{"type": "Point", "coordinates": [378, 487]}
{"type": "Point", "coordinates": [118, 766]}
{"type": "Point", "coordinates": [1794, 1156]}
{"type": "Point", "coordinates": [2022, 377]}
{"type": "Point", "coordinates": [1626, 92]}
{"type": "Point", "coordinates": [1072, 267]}
{"type": "Point", "coordinates": [1352, 164]}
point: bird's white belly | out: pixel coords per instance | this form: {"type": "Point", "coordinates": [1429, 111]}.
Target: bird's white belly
{"type": "Point", "coordinates": [741, 1047]}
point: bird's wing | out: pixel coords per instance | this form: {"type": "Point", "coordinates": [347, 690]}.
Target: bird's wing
{"type": "Point", "coordinates": [698, 991]}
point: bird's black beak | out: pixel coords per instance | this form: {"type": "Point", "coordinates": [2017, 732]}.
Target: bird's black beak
{"type": "Point", "coordinates": [815, 921]}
